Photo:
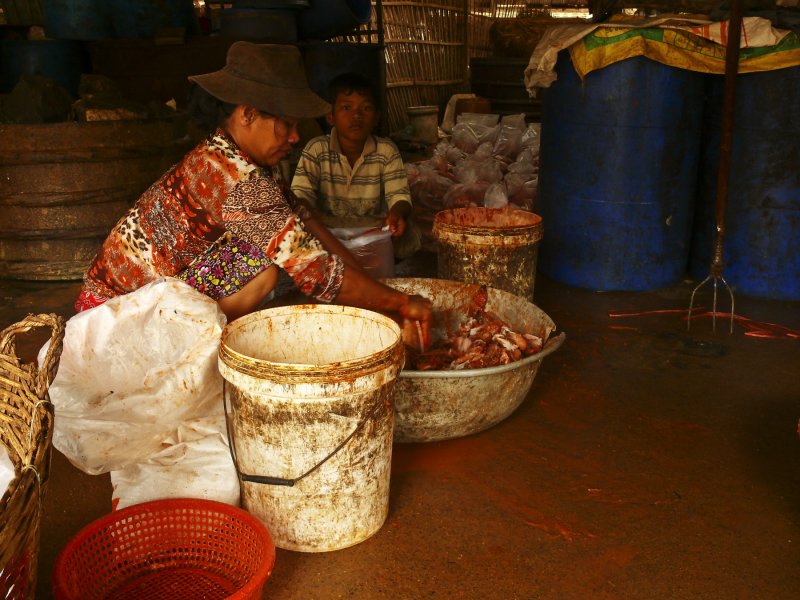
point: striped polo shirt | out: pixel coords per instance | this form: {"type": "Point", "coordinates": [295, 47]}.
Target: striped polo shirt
{"type": "Point", "coordinates": [325, 179]}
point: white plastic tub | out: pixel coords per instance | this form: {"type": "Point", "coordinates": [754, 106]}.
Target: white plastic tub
{"type": "Point", "coordinates": [441, 405]}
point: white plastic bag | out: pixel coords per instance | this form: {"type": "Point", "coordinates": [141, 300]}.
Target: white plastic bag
{"type": "Point", "coordinates": [482, 119]}
{"type": "Point", "coordinates": [531, 138]}
{"type": "Point", "coordinates": [195, 463]}
{"type": "Point", "coordinates": [371, 247]}
{"type": "Point", "coordinates": [7, 470]}
{"type": "Point", "coordinates": [496, 196]}
{"type": "Point", "coordinates": [508, 142]}
{"type": "Point", "coordinates": [132, 371]}
{"type": "Point", "coordinates": [469, 136]}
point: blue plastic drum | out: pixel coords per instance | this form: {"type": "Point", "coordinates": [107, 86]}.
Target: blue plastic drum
{"type": "Point", "coordinates": [763, 204]}
{"type": "Point", "coordinates": [77, 19]}
{"type": "Point", "coordinates": [144, 18]}
{"type": "Point", "coordinates": [618, 170]}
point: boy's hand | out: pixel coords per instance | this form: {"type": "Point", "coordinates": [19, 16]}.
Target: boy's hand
{"type": "Point", "coordinates": [396, 223]}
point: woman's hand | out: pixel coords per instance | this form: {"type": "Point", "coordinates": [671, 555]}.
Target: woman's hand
{"type": "Point", "coordinates": [418, 308]}
{"type": "Point", "coordinates": [416, 322]}
{"type": "Point", "coordinates": [416, 311]}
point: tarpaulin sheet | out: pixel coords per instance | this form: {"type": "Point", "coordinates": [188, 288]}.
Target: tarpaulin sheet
{"type": "Point", "coordinates": [694, 45]}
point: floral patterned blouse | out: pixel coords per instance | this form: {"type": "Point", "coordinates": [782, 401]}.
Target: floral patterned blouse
{"type": "Point", "coordinates": [216, 190]}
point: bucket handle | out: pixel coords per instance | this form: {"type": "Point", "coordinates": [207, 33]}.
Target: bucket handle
{"type": "Point", "coordinates": [268, 480]}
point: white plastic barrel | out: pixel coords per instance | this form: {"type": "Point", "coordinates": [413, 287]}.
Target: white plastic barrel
{"type": "Point", "coordinates": [308, 391]}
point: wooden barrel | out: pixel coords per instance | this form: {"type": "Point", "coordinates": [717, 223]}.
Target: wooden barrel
{"type": "Point", "coordinates": [64, 185]}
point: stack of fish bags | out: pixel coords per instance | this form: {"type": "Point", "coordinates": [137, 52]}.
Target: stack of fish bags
{"type": "Point", "coordinates": [487, 161]}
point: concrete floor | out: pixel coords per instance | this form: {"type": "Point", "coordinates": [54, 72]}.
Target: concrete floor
{"type": "Point", "coordinates": [646, 462]}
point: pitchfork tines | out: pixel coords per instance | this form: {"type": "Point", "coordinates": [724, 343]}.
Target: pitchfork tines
{"type": "Point", "coordinates": [726, 133]}
{"type": "Point", "coordinates": [713, 277]}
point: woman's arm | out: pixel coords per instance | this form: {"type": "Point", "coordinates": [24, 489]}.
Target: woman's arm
{"type": "Point", "coordinates": [329, 241]}
{"type": "Point", "coordinates": [361, 290]}
{"type": "Point", "coordinates": [295, 246]}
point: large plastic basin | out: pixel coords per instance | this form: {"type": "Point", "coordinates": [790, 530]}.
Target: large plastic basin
{"type": "Point", "coordinates": [441, 405]}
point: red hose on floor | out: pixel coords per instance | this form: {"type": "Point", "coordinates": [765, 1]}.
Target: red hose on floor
{"type": "Point", "coordinates": [753, 328]}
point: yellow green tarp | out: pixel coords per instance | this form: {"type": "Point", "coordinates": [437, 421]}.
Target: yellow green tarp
{"type": "Point", "coordinates": [676, 48]}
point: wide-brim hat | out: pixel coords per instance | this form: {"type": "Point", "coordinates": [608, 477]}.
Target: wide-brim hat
{"type": "Point", "coordinates": [269, 77]}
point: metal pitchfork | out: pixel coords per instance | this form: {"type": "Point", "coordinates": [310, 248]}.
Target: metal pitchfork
{"type": "Point", "coordinates": [723, 175]}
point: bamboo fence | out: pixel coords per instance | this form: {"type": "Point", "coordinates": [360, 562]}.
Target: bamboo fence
{"type": "Point", "coordinates": [425, 52]}
{"type": "Point", "coordinates": [428, 44]}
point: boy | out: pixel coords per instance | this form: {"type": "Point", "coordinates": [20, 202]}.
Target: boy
{"type": "Point", "coordinates": [353, 173]}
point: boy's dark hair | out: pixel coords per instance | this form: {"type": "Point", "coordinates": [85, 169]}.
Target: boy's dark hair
{"type": "Point", "coordinates": [347, 83]}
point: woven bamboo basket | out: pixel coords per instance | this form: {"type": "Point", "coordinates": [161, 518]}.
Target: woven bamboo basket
{"type": "Point", "coordinates": [426, 54]}
{"type": "Point", "coordinates": [26, 429]}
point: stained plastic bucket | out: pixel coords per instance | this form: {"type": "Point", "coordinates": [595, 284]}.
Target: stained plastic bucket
{"type": "Point", "coordinates": [308, 393]}
{"type": "Point", "coordinates": [492, 246]}
{"type": "Point", "coordinates": [763, 202]}
{"type": "Point", "coordinates": [618, 167]}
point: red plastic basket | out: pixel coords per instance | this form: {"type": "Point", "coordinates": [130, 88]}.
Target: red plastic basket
{"type": "Point", "coordinates": [176, 548]}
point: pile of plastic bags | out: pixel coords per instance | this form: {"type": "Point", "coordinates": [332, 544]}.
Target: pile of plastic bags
{"type": "Point", "coordinates": [138, 394]}
{"type": "Point", "coordinates": [488, 161]}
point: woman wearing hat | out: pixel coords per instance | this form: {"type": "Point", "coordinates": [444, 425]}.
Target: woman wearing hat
{"type": "Point", "coordinates": [223, 221]}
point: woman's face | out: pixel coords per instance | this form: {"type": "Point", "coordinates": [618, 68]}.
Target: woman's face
{"type": "Point", "coordinates": [266, 138]}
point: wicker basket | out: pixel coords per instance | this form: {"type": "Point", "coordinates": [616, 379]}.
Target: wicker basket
{"type": "Point", "coordinates": [26, 429]}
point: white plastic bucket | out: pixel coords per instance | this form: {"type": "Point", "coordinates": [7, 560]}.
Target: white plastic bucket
{"type": "Point", "coordinates": [309, 399]}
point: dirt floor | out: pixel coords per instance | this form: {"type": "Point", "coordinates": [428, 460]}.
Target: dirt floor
{"type": "Point", "coordinates": [647, 461]}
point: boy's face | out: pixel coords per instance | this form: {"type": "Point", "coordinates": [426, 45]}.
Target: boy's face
{"type": "Point", "coordinates": [354, 116]}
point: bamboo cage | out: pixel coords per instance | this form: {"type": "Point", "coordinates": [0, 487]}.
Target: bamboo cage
{"type": "Point", "coordinates": [427, 46]}
{"type": "Point", "coordinates": [482, 14]}
{"type": "Point", "coordinates": [426, 54]}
